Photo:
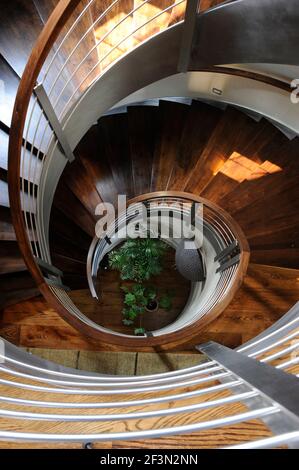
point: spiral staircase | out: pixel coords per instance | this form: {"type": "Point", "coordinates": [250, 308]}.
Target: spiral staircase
{"type": "Point", "coordinates": [139, 98]}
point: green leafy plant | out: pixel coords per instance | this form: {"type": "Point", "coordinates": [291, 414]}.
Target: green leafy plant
{"type": "Point", "coordinates": [138, 259]}
{"type": "Point", "coordinates": [136, 299]}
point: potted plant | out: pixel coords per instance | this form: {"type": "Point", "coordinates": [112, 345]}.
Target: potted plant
{"type": "Point", "coordinates": [139, 299]}
{"type": "Point", "coordinates": [138, 259]}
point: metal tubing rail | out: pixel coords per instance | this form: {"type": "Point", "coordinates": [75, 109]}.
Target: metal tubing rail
{"type": "Point", "coordinates": [175, 430]}
{"type": "Point", "coordinates": [112, 391]}
{"type": "Point", "coordinates": [106, 381]}
{"type": "Point", "coordinates": [126, 416]}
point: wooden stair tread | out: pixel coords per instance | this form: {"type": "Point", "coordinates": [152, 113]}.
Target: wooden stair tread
{"type": "Point", "coordinates": [78, 181]}
{"type": "Point", "coordinates": [279, 151]}
{"type": "Point", "coordinates": [11, 259]}
{"type": "Point", "coordinates": [232, 134]}
{"type": "Point", "coordinates": [267, 293]}
{"type": "Point", "coordinates": [20, 28]}
{"type": "Point", "coordinates": [233, 434]}
{"type": "Point", "coordinates": [107, 311]}
{"type": "Point", "coordinates": [7, 231]}
{"type": "Point", "coordinates": [116, 151]}
{"type": "Point", "coordinates": [64, 200]}
{"type": "Point", "coordinates": [68, 230]}
{"type": "Point", "coordinates": [201, 120]}
{"type": "Point", "coordinates": [171, 119]}
{"type": "Point", "coordinates": [67, 248]}
{"type": "Point", "coordinates": [68, 265]}
{"type": "Point", "coordinates": [142, 133]}
{"type": "Point", "coordinates": [10, 298]}
{"type": "Point", "coordinates": [89, 152]}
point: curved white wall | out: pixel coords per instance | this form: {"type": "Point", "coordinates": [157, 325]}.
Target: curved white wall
{"type": "Point", "coordinates": [264, 99]}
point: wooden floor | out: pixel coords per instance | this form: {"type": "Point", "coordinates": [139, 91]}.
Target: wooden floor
{"type": "Point", "coordinates": [266, 294]}
{"type": "Point", "coordinates": [136, 364]}
{"type": "Point", "coordinates": [107, 312]}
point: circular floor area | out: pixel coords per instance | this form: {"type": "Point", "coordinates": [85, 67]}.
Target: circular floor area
{"type": "Point", "coordinates": [107, 311]}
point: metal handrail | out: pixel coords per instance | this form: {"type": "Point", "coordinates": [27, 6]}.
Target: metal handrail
{"type": "Point", "coordinates": [130, 435]}
{"type": "Point", "coordinates": [233, 389]}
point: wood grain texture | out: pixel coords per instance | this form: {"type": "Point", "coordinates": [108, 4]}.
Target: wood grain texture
{"type": "Point", "coordinates": [71, 207]}
{"type": "Point", "coordinates": [280, 151]}
{"type": "Point", "coordinates": [231, 435]}
{"type": "Point", "coordinates": [200, 122]}
{"type": "Point", "coordinates": [7, 232]}
{"type": "Point", "coordinates": [171, 120]}
{"type": "Point", "coordinates": [232, 134]}
{"type": "Point", "coordinates": [255, 152]}
{"type": "Point", "coordinates": [20, 27]}
{"type": "Point", "coordinates": [116, 151]}
{"type": "Point", "coordinates": [132, 364]}
{"type": "Point", "coordinates": [142, 132]}
{"type": "Point", "coordinates": [91, 153]}
{"type": "Point", "coordinates": [107, 311]}
{"type": "Point", "coordinates": [63, 226]}
{"type": "Point", "coordinates": [276, 210]}
{"type": "Point", "coordinates": [11, 259]}
{"type": "Point", "coordinates": [78, 181]}
{"type": "Point", "coordinates": [19, 295]}
{"type": "Point", "coordinates": [15, 281]}
{"type": "Point", "coordinates": [267, 294]}
{"type": "Point", "coordinates": [251, 430]}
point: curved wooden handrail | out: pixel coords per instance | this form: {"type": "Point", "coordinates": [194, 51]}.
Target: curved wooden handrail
{"type": "Point", "coordinates": [186, 333]}
{"type": "Point", "coordinates": [39, 54]}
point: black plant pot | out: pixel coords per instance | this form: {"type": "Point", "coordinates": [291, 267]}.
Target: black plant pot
{"type": "Point", "coordinates": [152, 306]}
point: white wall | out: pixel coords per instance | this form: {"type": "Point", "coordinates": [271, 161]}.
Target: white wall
{"type": "Point", "coordinates": [262, 98]}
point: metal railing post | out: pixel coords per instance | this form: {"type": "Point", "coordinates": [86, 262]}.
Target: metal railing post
{"type": "Point", "coordinates": [273, 385]}
{"type": "Point", "coordinates": [54, 121]}
{"type": "Point", "coordinates": [188, 34]}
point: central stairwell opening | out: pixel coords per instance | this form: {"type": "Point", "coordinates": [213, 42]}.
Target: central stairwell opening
{"type": "Point", "coordinates": [121, 99]}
